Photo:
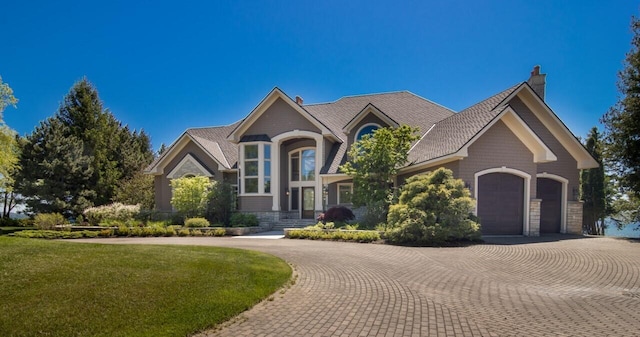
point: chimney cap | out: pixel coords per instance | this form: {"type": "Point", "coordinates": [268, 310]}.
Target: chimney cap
{"type": "Point", "coordinates": [535, 71]}
{"type": "Point", "coordinates": [299, 100]}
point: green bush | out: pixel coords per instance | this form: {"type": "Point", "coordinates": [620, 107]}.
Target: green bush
{"type": "Point", "coordinates": [244, 220]}
{"type": "Point", "coordinates": [170, 231]}
{"type": "Point", "coordinates": [48, 220]}
{"type": "Point", "coordinates": [51, 234]}
{"type": "Point", "coordinates": [26, 222]}
{"type": "Point", "coordinates": [8, 222]}
{"type": "Point", "coordinates": [79, 220]}
{"type": "Point", "coordinates": [336, 235]}
{"type": "Point", "coordinates": [106, 233]}
{"type": "Point", "coordinates": [196, 232]}
{"type": "Point", "coordinates": [218, 232]}
{"type": "Point", "coordinates": [112, 212]}
{"type": "Point", "coordinates": [183, 232]}
{"type": "Point", "coordinates": [123, 230]}
{"type": "Point", "coordinates": [433, 209]}
{"type": "Point", "coordinates": [196, 222]}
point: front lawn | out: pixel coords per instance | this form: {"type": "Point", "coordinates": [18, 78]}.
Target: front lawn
{"type": "Point", "coordinates": [69, 289]}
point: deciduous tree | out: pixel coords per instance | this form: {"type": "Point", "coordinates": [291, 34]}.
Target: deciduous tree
{"type": "Point", "coordinates": [373, 164]}
{"type": "Point", "coordinates": [191, 195]}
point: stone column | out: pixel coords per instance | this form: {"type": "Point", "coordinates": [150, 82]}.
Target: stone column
{"type": "Point", "coordinates": [574, 217]}
{"type": "Point", "coordinates": [534, 217]}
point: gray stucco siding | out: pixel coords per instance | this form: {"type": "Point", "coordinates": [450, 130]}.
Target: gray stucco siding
{"type": "Point", "coordinates": [496, 148]}
{"type": "Point", "coordinates": [566, 165]}
{"type": "Point", "coordinates": [279, 118]}
{"type": "Point", "coordinates": [258, 203]}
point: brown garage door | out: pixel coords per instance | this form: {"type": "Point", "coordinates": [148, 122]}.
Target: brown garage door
{"type": "Point", "coordinates": [500, 203]}
{"type": "Point", "coordinates": [550, 191]}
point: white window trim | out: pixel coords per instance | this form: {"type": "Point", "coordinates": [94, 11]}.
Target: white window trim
{"type": "Point", "coordinates": [261, 161]}
{"type": "Point", "coordinates": [338, 192]}
{"type": "Point", "coordinates": [355, 138]}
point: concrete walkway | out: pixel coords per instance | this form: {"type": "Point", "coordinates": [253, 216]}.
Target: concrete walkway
{"type": "Point", "coordinates": [559, 285]}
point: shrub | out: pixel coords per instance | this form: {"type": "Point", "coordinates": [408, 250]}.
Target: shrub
{"type": "Point", "coordinates": [433, 209]}
{"type": "Point", "coordinates": [105, 233]}
{"type": "Point", "coordinates": [183, 232]}
{"type": "Point", "coordinates": [196, 232]}
{"type": "Point", "coordinates": [170, 231]}
{"type": "Point", "coordinates": [8, 222]}
{"type": "Point", "coordinates": [26, 222]}
{"type": "Point", "coordinates": [338, 214]}
{"type": "Point", "coordinates": [51, 234]}
{"type": "Point", "coordinates": [79, 220]}
{"type": "Point", "coordinates": [196, 222]}
{"type": "Point", "coordinates": [48, 220]}
{"type": "Point", "coordinates": [112, 212]}
{"type": "Point", "coordinates": [244, 220]}
{"type": "Point", "coordinates": [218, 232]}
{"type": "Point", "coordinates": [339, 235]}
{"type": "Point", "coordinates": [135, 231]}
{"type": "Point", "coordinates": [221, 203]}
{"type": "Point", "coordinates": [123, 230]}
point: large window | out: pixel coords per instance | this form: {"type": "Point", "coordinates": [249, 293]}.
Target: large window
{"type": "Point", "coordinates": [303, 165]}
{"type": "Point", "coordinates": [256, 168]}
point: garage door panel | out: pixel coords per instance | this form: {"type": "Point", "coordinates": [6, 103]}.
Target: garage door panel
{"type": "Point", "coordinates": [550, 192]}
{"type": "Point", "coordinates": [500, 203]}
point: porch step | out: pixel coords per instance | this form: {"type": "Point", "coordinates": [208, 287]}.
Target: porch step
{"type": "Point", "coordinates": [293, 223]}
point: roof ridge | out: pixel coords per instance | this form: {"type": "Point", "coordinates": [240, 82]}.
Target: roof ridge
{"type": "Point", "coordinates": [212, 127]}
{"type": "Point", "coordinates": [362, 95]}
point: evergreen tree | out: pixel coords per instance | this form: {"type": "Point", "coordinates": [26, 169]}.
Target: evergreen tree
{"type": "Point", "coordinates": [116, 154]}
{"type": "Point", "coordinates": [55, 175]}
{"type": "Point", "coordinates": [84, 117]}
{"type": "Point", "coordinates": [594, 192]}
{"type": "Point", "coordinates": [137, 190]}
{"type": "Point", "coordinates": [622, 121]}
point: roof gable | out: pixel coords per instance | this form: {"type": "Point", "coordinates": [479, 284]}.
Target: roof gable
{"type": "Point", "coordinates": [558, 129]}
{"type": "Point", "coordinates": [373, 110]}
{"type": "Point", "coordinates": [266, 102]}
{"type": "Point", "coordinates": [211, 141]}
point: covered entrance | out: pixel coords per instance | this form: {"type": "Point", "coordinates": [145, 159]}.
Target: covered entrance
{"type": "Point", "coordinates": [500, 198]}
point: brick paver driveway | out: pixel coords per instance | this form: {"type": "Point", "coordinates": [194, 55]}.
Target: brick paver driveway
{"type": "Point", "coordinates": [560, 286]}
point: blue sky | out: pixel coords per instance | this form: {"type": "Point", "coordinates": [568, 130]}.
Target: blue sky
{"type": "Point", "coordinates": [164, 66]}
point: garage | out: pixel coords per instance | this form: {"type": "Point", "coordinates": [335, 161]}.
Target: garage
{"type": "Point", "coordinates": [501, 203]}
{"type": "Point", "coordinates": [550, 192]}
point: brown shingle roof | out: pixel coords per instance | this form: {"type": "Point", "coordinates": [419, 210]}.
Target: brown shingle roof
{"type": "Point", "coordinates": [448, 131]}
{"type": "Point", "coordinates": [451, 134]}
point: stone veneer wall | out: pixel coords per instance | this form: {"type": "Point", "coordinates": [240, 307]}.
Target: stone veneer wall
{"type": "Point", "coordinates": [534, 217]}
{"type": "Point", "coordinates": [574, 217]}
{"type": "Point", "coordinates": [267, 219]}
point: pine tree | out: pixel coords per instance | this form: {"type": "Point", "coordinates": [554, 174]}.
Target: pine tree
{"type": "Point", "coordinates": [592, 186]}
{"type": "Point", "coordinates": [55, 175]}
{"type": "Point", "coordinates": [622, 121]}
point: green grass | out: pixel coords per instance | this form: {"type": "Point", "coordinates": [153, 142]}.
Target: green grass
{"type": "Point", "coordinates": [69, 289]}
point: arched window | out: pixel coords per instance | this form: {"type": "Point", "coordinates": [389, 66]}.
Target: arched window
{"type": "Point", "coordinates": [366, 130]}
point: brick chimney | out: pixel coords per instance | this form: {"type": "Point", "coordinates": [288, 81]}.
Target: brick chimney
{"type": "Point", "coordinates": [299, 100]}
{"type": "Point", "coordinates": [537, 81]}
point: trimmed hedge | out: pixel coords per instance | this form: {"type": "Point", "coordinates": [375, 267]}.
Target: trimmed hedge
{"type": "Point", "coordinates": [335, 235]}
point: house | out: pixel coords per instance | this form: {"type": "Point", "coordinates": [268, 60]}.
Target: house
{"type": "Point", "coordinates": [519, 160]}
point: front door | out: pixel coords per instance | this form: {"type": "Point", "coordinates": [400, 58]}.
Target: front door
{"type": "Point", "coordinates": [308, 202]}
